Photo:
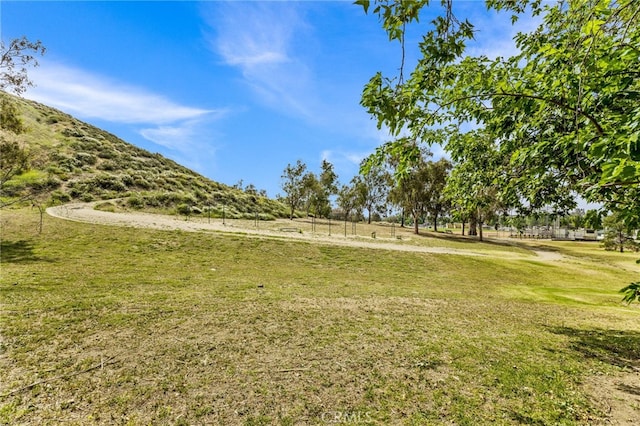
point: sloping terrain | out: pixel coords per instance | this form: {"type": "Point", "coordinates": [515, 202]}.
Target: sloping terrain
{"type": "Point", "coordinates": [73, 160]}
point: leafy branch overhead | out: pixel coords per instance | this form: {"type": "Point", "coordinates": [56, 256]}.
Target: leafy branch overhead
{"type": "Point", "coordinates": [565, 109]}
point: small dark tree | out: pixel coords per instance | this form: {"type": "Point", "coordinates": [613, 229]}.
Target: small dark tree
{"type": "Point", "coordinates": [14, 60]}
{"type": "Point", "coordinates": [617, 235]}
{"type": "Point", "coordinates": [13, 161]}
{"type": "Point", "coordinates": [437, 203]}
{"type": "Point", "coordinates": [347, 200]}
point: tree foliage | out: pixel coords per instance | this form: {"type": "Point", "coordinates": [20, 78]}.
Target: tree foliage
{"type": "Point", "coordinates": [292, 185]}
{"type": "Point", "coordinates": [13, 160]}
{"type": "Point", "coordinates": [15, 57]}
{"type": "Point", "coordinates": [372, 189]}
{"type": "Point", "coordinates": [617, 235]}
{"type": "Point", "coordinates": [564, 110]}
{"type": "Point", "coordinates": [347, 199]}
{"type": "Point", "coordinates": [631, 292]}
{"type": "Point", "coordinates": [437, 202]}
{"type": "Point", "coordinates": [14, 60]}
{"type": "Point", "coordinates": [420, 189]}
{"type": "Point", "coordinates": [304, 189]}
{"type": "Point", "coordinates": [563, 113]}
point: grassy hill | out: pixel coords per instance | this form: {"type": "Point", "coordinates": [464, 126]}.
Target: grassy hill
{"type": "Point", "coordinates": [74, 161]}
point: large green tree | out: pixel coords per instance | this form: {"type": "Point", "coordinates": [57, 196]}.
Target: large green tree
{"type": "Point", "coordinates": [564, 111]}
{"type": "Point", "coordinates": [476, 182]}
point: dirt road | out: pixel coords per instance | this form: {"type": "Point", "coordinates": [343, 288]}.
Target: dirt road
{"type": "Point", "coordinates": [85, 212]}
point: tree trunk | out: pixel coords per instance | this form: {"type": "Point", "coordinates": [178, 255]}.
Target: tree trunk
{"type": "Point", "coordinates": [463, 224]}
{"type": "Point", "coordinates": [415, 224]}
{"type": "Point", "coordinates": [435, 223]}
{"type": "Point", "coordinates": [621, 238]}
{"type": "Point", "coordinates": [473, 230]}
{"type": "Point", "coordinates": [480, 230]}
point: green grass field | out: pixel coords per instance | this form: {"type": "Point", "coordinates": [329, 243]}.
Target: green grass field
{"type": "Point", "coordinates": [111, 325]}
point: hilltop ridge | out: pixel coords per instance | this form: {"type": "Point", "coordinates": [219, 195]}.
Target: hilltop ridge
{"type": "Point", "coordinates": [71, 160]}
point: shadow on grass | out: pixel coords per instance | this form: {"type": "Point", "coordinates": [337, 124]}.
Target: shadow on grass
{"type": "Point", "coordinates": [614, 347]}
{"type": "Point", "coordinates": [486, 240]}
{"type": "Point", "coordinates": [19, 252]}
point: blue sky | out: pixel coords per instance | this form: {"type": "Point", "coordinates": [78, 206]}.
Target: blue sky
{"type": "Point", "coordinates": [232, 90]}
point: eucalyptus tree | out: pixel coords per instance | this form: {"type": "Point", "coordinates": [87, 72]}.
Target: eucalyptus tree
{"type": "Point", "coordinates": [437, 203]}
{"type": "Point", "coordinates": [328, 178]}
{"type": "Point", "coordinates": [475, 186]}
{"type": "Point", "coordinates": [325, 188]}
{"type": "Point", "coordinates": [317, 190]}
{"type": "Point", "coordinates": [292, 185]}
{"type": "Point", "coordinates": [372, 188]}
{"type": "Point", "coordinates": [347, 199]}
{"type": "Point", "coordinates": [420, 189]}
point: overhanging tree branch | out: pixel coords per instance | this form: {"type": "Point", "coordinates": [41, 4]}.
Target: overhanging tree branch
{"type": "Point", "coordinates": [562, 105]}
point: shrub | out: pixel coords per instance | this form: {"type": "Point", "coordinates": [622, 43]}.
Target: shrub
{"type": "Point", "coordinates": [75, 192]}
{"type": "Point", "coordinates": [108, 166]}
{"type": "Point", "coordinates": [184, 209]}
{"type": "Point", "coordinates": [60, 197]}
{"type": "Point", "coordinates": [106, 207]}
{"type": "Point", "coordinates": [109, 182]}
{"type": "Point", "coordinates": [84, 158]}
{"type": "Point", "coordinates": [107, 153]}
{"type": "Point", "coordinates": [140, 182]}
{"type": "Point", "coordinates": [135, 202]}
{"type": "Point", "coordinates": [72, 132]}
{"type": "Point", "coordinates": [127, 180]}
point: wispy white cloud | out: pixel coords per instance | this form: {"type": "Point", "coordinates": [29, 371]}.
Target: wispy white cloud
{"type": "Point", "coordinates": [173, 137]}
{"type": "Point", "coordinates": [260, 38]}
{"type": "Point", "coordinates": [89, 95]}
{"type": "Point", "coordinates": [188, 142]}
{"type": "Point", "coordinates": [344, 158]}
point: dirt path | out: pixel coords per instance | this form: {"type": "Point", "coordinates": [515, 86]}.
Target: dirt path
{"type": "Point", "coordinates": [85, 212]}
